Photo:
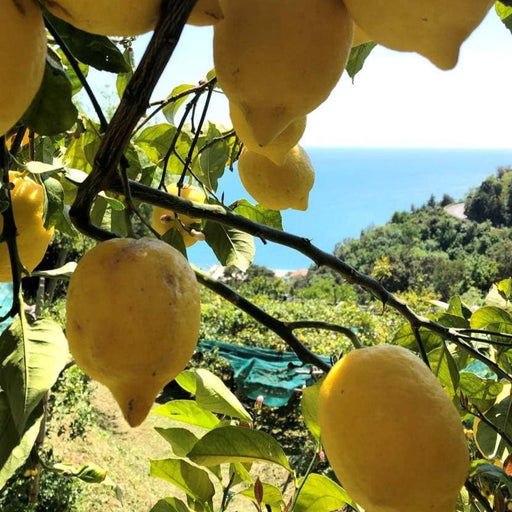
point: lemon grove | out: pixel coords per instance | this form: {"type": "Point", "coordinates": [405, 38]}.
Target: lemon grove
{"type": "Point", "coordinates": [397, 421]}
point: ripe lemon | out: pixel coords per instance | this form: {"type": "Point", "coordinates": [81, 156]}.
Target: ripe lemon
{"type": "Point", "coordinates": [277, 186]}
{"type": "Point", "coordinates": [279, 60]}
{"type": "Point", "coordinates": [390, 432]}
{"type": "Point", "coordinates": [133, 312]}
{"type": "Point", "coordinates": [28, 198]}
{"type": "Point", "coordinates": [432, 28]}
{"type": "Point", "coordinates": [162, 220]}
{"type": "Point", "coordinates": [279, 147]}
{"type": "Point", "coordinates": [360, 37]}
{"type": "Point", "coordinates": [108, 18]}
{"type": "Point", "coordinates": [205, 12]}
{"type": "Point", "coordinates": [23, 56]}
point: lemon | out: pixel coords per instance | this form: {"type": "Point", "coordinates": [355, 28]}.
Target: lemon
{"type": "Point", "coordinates": [205, 12]}
{"type": "Point", "coordinates": [392, 435]}
{"type": "Point", "coordinates": [23, 57]}
{"type": "Point", "coordinates": [360, 37]}
{"type": "Point", "coordinates": [432, 28]}
{"type": "Point", "coordinates": [279, 60]}
{"type": "Point", "coordinates": [277, 186]}
{"type": "Point", "coordinates": [133, 312]}
{"type": "Point", "coordinates": [108, 18]}
{"type": "Point", "coordinates": [162, 219]}
{"type": "Point", "coordinates": [279, 147]}
{"type": "Point", "coordinates": [28, 199]}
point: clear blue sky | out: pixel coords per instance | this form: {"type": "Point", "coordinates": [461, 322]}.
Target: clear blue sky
{"type": "Point", "coordinates": [397, 100]}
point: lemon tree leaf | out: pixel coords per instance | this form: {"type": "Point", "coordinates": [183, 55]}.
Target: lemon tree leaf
{"type": "Point", "coordinates": [192, 480]}
{"type": "Point", "coordinates": [505, 14]}
{"type": "Point", "coordinates": [484, 468]}
{"type": "Point", "coordinates": [319, 493]}
{"type": "Point", "coordinates": [15, 446]}
{"type": "Point", "coordinates": [155, 140]}
{"type": "Point", "coordinates": [309, 408]}
{"type": "Point", "coordinates": [187, 411]}
{"type": "Point", "coordinates": [492, 318]}
{"type": "Point", "coordinates": [187, 381]}
{"type": "Point", "coordinates": [124, 77]}
{"type": "Point", "coordinates": [357, 57]}
{"type": "Point", "coordinates": [170, 110]}
{"type": "Point", "coordinates": [52, 110]}
{"type": "Point", "coordinates": [230, 245]}
{"type": "Point", "coordinates": [180, 439]}
{"type": "Point", "coordinates": [258, 213]}
{"type": "Point", "coordinates": [405, 337]}
{"type": "Point", "coordinates": [479, 390]}
{"type": "Point", "coordinates": [504, 287]}
{"type": "Point", "coordinates": [444, 368]}
{"type": "Point", "coordinates": [213, 395]}
{"type": "Point", "coordinates": [237, 444]}
{"type": "Point", "coordinates": [54, 202]}
{"type": "Point", "coordinates": [31, 358]}
{"type": "Point", "coordinates": [272, 496]}
{"type": "Point", "coordinates": [170, 505]}
{"type": "Point", "coordinates": [213, 157]}
{"type": "Point", "coordinates": [62, 272]}
{"type": "Point", "coordinates": [489, 442]}
{"type": "Point", "coordinates": [98, 51]}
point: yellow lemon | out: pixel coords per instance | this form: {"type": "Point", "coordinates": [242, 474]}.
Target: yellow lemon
{"type": "Point", "coordinates": [205, 12]}
{"type": "Point", "coordinates": [28, 198]}
{"type": "Point", "coordinates": [279, 60]}
{"type": "Point", "coordinates": [23, 56]}
{"type": "Point", "coordinates": [162, 220]}
{"type": "Point", "coordinates": [133, 312]}
{"type": "Point", "coordinates": [108, 18]}
{"type": "Point", "coordinates": [360, 36]}
{"type": "Point", "coordinates": [391, 434]}
{"type": "Point", "coordinates": [432, 28]}
{"type": "Point", "coordinates": [279, 147]}
{"type": "Point", "coordinates": [277, 186]}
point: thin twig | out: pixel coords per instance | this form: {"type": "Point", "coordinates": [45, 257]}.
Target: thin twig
{"type": "Point", "coordinates": [313, 324]}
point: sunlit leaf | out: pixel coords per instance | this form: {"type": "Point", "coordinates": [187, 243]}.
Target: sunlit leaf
{"type": "Point", "coordinates": [484, 469]}
{"type": "Point", "coordinates": [480, 391]}
{"type": "Point", "coordinates": [492, 318]}
{"type": "Point", "coordinates": [213, 157]}
{"type": "Point", "coordinates": [124, 77]}
{"type": "Point", "coordinates": [309, 408]}
{"type": "Point", "coordinates": [238, 444]}
{"type": "Point", "coordinates": [271, 496]}
{"type": "Point", "coordinates": [258, 213]}
{"type": "Point", "coordinates": [505, 14]}
{"type": "Point", "coordinates": [444, 368]}
{"type": "Point", "coordinates": [320, 493]}
{"type": "Point", "coordinates": [357, 58]}
{"type": "Point", "coordinates": [54, 202]}
{"type": "Point", "coordinates": [187, 411]}
{"type": "Point", "coordinates": [192, 480]}
{"type": "Point", "coordinates": [172, 107]}
{"type": "Point", "coordinates": [230, 245]}
{"type": "Point", "coordinates": [181, 440]}
{"type": "Point", "coordinates": [405, 337]}
{"type": "Point", "coordinates": [170, 505]}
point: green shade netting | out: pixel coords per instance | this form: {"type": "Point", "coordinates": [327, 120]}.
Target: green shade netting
{"type": "Point", "coordinates": [261, 371]}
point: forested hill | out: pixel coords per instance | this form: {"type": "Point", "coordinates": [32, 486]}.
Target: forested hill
{"type": "Point", "coordinates": [428, 248]}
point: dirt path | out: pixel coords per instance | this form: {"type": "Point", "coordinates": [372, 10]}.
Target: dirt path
{"type": "Point", "coordinates": [457, 210]}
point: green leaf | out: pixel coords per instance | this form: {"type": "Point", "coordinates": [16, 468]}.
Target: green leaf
{"type": "Point", "coordinates": [170, 110]}
{"type": "Point", "coordinates": [31, 358]}
{"type": "Point", "coordinates": [444, 368]}
{"type": "Point", "coordinates": [36, 167]}
{"type": "Point", "coordinates": [484, 469]}
{"type": "Point", "coordinates": [98, 51]}
{"type": "Point", "coordinates": [231, 246]}
{"type": "Point", "coordinates": [492, 318]}
{"type": "Point", "coordinates": [213, 159]}
{"type": "Point", "coordinates": [187, 411]}
{"type": "Point", "coordinates": [173, 237]}
{"type": "Point", "coordinates": [505, 14]}
{"type": "Point", "coordinates": [319, 493]}
{"type": "Point", "coordinates": [170, 505]}
{"type": "Point", "coordinates": [57, 273]}
{"type": "Point", "coordinates": [180, 439]}
{"type": "Point", "coordinates": [479, 391]}
{"type": "Point", "coordinates": [155, 140]}
{"type": "Point", "coordinates": [124, 77]}
{"type": "Point", "coordinates": [272, 496]}
{"type": "Point", "coordinates": [489, 442]}
{"type": "Point", "coordinates": [405, 337]}
{"type": "Point", "coordinates": [192, 480]}
{"type": "Point", "coordinates": [80, 152]}
{"type": "Point", "coordinates": [357, 58]}
{"type": "Point", "coordinates": [187, 381]}
{"type": "Point", "coordinates": [213, 395]}
{"type": "Point", "coordinates": [258, 213]}
{"type": "Point", "coordinates": [505, 287]}
{"type": "Point", "coordinates": [309, 408]}
{"type": "Point", "coordinates": [55, 202]}
{"type": "Point", "coordinates": [15, 447]}
{"type": "Point", "coordinates": [52, 110]}
{"type": "Point", "coordinates": [238, 444]}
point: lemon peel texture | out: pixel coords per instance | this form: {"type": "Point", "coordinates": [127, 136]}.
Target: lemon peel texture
{"type": "Point", "coordinates": [278, 187]}
{"type": "Point", "coordinates": [391, 434]}
{"type": "Point", "coordinates": [279, 147]}
{"type": "Point", "coordinates": [32, 238]}
{"type": "Point", "coordinates": [133, 313]}
{"type": "Point", "coordinates": [205, 12]}
{"type": "Point", "coordinates": [23, 57]}
{"type": "Point", "coordinates": [108, 18]}
{"type": "Point", "coordinates": [279, 60]}
{"type": "Point", "coordinates": [162, 219]}
{"type": "Point", "coordinates": [433, 28]}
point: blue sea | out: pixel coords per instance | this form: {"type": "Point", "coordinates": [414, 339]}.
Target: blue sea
{"type": "Point", "coordinates": [356, 188]}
